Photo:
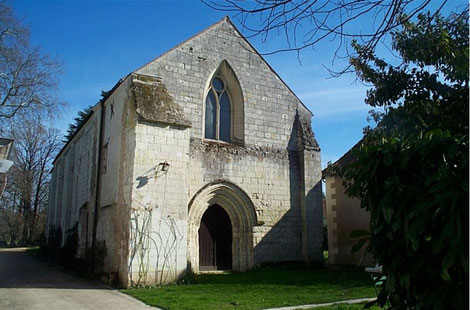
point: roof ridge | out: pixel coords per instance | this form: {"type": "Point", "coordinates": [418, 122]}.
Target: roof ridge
{"type": "Point", "coordinates": [225, 18]}
{"type": "Point", "coordinates": [265, 61]}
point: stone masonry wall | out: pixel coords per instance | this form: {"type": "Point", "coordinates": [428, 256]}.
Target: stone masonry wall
{"type": "Point", "coordinates": [159, 204]}
{"type": "Point", "coordinates": [116, 172]}
{"type": "Point", "coordinates": [72, 183]}
{"type": "Point", "coordinates": [270, 177]}
{"type": "Point", "coordinates": [266, 166]}
{"type": "Point", "coordinates": [270, 106]}
{"type": "Point", "coordinates": [73, 191]}
{"type": "Point", "coordinates": [344, 216]}
{"type": "Point", "coordinates": [155, 164]}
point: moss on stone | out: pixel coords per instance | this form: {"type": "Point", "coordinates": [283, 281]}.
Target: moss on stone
{"type": "Point", "coordinates": [154, 103]}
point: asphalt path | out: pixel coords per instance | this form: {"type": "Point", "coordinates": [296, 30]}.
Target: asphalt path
{"type": "Point", "coordinates": [28, 283]}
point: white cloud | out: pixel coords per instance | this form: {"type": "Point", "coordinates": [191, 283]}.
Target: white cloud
{"type": "Point", "coordinates": [335, 101]}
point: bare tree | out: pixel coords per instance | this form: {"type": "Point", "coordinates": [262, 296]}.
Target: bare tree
{"type": "Point", "coordinates": [10, 217]}
{"type": "Point", "coordinates": [304, 23]}
{"type": "Point", "coordinates": [28, 77]}
{"type": "Point", "coordinates": [25, 197]}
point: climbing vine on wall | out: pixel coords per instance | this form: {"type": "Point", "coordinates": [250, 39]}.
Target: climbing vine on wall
{"type": "Point", "coordinates": [154, 235]}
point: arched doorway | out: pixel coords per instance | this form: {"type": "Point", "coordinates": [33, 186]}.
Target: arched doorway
{"type": "Point", "coordinates": [228, 198]}
{"type": "Point", "coordinates": [215, 240]}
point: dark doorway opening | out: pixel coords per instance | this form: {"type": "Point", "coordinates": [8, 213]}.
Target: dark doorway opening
{"type": "Point", "coordinates": [215, 240]}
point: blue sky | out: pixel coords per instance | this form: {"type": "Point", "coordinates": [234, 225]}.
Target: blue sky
{"type": "Point", "coordinates": [102, 41]}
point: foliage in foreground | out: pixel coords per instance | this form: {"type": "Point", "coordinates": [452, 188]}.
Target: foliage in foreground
{"type": "Point", "coordinates": [82, 117]}
{"type": "Point", "coordinates": [261, 289]}
{"type": "Point", "coordinates": [412, 170]}
{"type": "Point", "coordinates": [78, 122]}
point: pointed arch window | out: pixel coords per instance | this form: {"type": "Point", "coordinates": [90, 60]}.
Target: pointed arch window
{"type": "Point", "coordinates": [218, 111]}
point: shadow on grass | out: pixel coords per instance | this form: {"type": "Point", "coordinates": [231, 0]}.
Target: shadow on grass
{"type": "Point", "coordinates": [358, 306]}
{"type": "Point", "coordinates": [261, 289]}
{"type": "Point", "coordinates": [346, 276]}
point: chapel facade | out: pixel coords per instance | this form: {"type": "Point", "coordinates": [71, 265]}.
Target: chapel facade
{"type": "Point", "coordinates": [202, 159]}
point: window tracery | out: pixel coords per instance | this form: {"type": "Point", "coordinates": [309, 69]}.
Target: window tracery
{"type": "Point", "coordinates": [218, 111]}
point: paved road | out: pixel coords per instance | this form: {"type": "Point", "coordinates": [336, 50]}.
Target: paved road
{"type": "Point", "coordinates": [27, 283]}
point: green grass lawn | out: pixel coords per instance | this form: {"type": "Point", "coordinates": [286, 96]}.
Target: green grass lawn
{"type": "Point", "coordinates": [261, 289]}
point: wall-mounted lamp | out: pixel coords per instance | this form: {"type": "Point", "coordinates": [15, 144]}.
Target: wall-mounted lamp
{"type": "Point", "coordinates": [165, 165]}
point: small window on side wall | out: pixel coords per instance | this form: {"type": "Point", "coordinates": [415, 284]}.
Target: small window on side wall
{"type": "Point", "coordinates": [218, 111]}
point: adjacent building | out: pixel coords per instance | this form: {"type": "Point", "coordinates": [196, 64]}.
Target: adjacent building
{"type": "Point", "coordinates": [344, 215]}
{"type": "Point", "coordinates": [5, 164]}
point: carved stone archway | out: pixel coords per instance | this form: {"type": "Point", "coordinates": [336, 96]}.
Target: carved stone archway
{"type": "Point", "coordinates": [242, 215]}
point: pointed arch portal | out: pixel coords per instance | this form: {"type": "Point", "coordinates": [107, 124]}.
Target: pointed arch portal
{"type": "Point", "coordinates": [220, 228]}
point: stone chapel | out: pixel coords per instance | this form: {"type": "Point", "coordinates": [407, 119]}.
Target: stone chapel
{"type": "Point", "coordinates": [202, 159]}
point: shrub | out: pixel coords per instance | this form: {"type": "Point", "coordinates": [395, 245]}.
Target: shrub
{"type": "Point", "coordinates": [411, 172]}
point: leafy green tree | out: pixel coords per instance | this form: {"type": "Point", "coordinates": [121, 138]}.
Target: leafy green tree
{"type": "Point", "coordinates": [82, 117]}
{"type": "Point", "coordinates": [78, 122]}
{"type": "Point", "coordinates": [411, 172]}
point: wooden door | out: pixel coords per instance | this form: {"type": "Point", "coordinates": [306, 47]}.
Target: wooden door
{"type": "Point", "coordinates": [206, 248]}
{"type": "Point", "coordinates": [215, 240]}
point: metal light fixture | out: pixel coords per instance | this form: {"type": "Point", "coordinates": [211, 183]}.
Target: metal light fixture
{"type": "Point", "coordinates": [165, 165]}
